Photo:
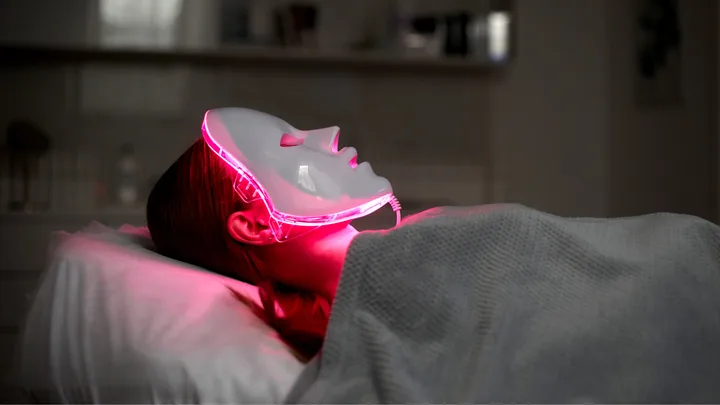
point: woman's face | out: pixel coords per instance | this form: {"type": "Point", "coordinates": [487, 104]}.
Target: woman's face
{"type": "Point", "coordinates": [302, 175]}
{"type": "Point", "coordinates": [292, 176]}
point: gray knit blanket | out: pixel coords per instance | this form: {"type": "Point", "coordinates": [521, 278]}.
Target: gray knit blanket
{"type": "Point", "coordinates": [507, 304]}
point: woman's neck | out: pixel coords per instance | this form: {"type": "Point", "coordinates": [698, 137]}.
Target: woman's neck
{"type": "Point", "coordinates": [312, 263]}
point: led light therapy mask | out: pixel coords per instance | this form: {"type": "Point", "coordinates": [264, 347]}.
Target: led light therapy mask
{"type": "Point", "coordinates": [300, 176]}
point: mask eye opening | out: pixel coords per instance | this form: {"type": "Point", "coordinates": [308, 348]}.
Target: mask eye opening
{"type": "Point", "coordinates": [290, 140]}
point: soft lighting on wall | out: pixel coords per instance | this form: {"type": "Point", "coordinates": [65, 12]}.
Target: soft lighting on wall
{"type": "Point", "coordinates": [498, 35]}
{"type": "Point", "coordinates": [147, 23]}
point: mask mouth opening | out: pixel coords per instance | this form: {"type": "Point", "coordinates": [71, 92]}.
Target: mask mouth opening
{"type": "Point", "coordinates": [285, 226]}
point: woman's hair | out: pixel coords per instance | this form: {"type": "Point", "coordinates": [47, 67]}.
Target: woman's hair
{"type": "Point", "coordinates": [187, 213]}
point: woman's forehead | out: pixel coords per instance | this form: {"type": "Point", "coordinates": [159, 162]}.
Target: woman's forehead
{"type": "Point", "coordinates": [249, 127]}
{"type": "Point", "coordinates": [260, 120]}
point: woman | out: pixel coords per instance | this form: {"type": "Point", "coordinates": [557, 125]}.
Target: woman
{"type": "Point", "coordinates": [491, 304]}
{"type": "Point", "coordinates": [195, 215]}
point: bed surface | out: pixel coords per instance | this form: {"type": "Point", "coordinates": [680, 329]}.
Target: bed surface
{"type": "Point", "coordinates": [112, 321]}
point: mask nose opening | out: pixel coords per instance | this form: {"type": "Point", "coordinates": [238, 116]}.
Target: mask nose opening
{"type": "Point", "coordinates": [335, 141]}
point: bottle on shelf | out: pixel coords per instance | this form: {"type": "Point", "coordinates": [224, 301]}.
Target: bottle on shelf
{"type": "Point", "coordinates": [127, 184]}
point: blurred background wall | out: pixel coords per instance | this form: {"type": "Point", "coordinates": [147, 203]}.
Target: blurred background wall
{"type": "Point", "coordinates": [562, 126]}
{"type": "Point", "coordinates": [559, 119]}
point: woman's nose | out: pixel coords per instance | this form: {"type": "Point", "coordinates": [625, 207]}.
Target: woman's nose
{"type": "Point", "coordinates": [325, 139]}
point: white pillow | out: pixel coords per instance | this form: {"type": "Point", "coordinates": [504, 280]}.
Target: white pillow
{"type": "Point", "coordinates": [114, 322]}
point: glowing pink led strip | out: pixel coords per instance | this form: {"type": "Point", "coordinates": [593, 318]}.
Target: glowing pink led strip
{"type": "Point", "coordinates": [347, 215]}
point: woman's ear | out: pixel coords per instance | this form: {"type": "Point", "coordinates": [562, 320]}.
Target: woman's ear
{"type": "Point", "coordinates": [247, 227]}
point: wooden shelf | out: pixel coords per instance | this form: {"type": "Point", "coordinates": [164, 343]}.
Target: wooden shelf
{"type": "Point", "coordinates": [280, 59]}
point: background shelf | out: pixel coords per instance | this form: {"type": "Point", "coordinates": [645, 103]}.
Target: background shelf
{"type": "Point", "coordinates": [279, 58]}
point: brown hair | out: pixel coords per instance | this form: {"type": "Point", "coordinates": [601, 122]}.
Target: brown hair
{"type": "Point", "coordinates": [187, 214]}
